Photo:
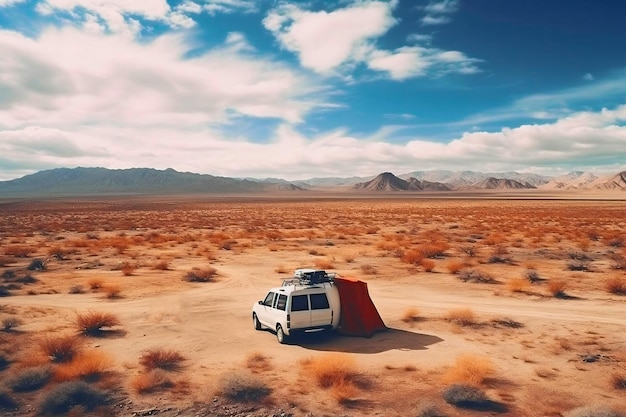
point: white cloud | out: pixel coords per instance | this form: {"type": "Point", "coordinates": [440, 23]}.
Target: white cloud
{"type": "Point", "coordinates": [189, 6]}
{"type": "Point", "coordinates": [7, 3]}
{"type": "Point", "coordinates": [229, 6]}
{"type": "Point", "coordinates": [588, 77]}
{"type": "Point", "coordinates": [437, 12]}
{"type": "Point", "coordinates": [325, 40]}
{"type": "Point", "coordinates": [335, 42]}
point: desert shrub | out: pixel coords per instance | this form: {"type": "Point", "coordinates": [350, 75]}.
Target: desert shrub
{"type": "Point", "coordinates": [433, 250]}
{"type": "Point", "coordinates": [10, 323]}
{"type": "Point", "coordinates": [343, 392]}
{"type": "Point", "coordinates": [411, 315]}
{"type": "Point", "coordinates": [67, 395]}
{"type": "Point", "coordinates": [469, 369]}
{"type": "Point", "coordinates": [18, 251]}
{"type": "Point", "coordinates": [556, 287]}
{"type": "Point", "coordinates": [427, 264]}
{"type": "Point", "coordinates": [60, 348]}
{"type": "Point", "coordinates": [332, 369]}
{"type": "Point", "coordinates": [77, 289]}
{"type": "Point", "coordinates": [413, 257]}
{"type": "Point", "coordinates": [201, 275]}
{"type": "Point", "coordinates": [476, 276]}
{"type": "Point", "coordinates": [532, 276]}
{"type": "Point", "coordinates": [59, 252]}
{"type": "Point", "coordinates": [4, 291]}
{"type": "Point", "coordinates": [7, 402]}
{"type": "Point", "coordinates": [37, 265]}
{"type": "Point", "coordinates": [517, 284]}
{"type": "Point", "coordinates": [579, 261]}
{"type": "Point", "coordinates": [111, 290]}
{"type": "Point", "coordinates": [93, 322]}
{"type": "Point", "coordinates": [465, 396]}
{"type": "Point", "coordinates": [506, 322]}
{"type": "Point", "coordinates": [162, 265]}
{"type": "Point", "coordinates": [127, 268]}
{"type": "Point", "coordinates": [89, 365]}
{"type": "Point", "coordinates": [151, 381]}
{"type": "Point", "coordinates": [95, 283]}
{"type": "Point", "coordinates": [469, 250]}
{"type": "Point", "coordinates": [461, 316]}
{"type": "Point", "coordinates": [592, 411]}
{"type": "Point", "coordinates": [161, 358]}
{"type": "Point", "coordinates": [281, 269]}
{"type": "Point", "coordinates": [30, 379]}
{"type": "Point", "coordinates": [26, 279]}
{"type": "Point", "coordinates": [618, 381]}
{"type": "Point", "coordinates": [242, 387]}
{"type": "Point", "coordinates": [429, 410]}
{"type": "Point", "coordinates": [619, 261]}
{"type": "Point", "coordinates": [258, 362]}
{"type": "Point", "coordinates": [455, 266]}
{"type": "Point", "coordinates": [616, 285]}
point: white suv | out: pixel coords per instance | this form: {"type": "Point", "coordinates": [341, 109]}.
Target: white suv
{"type": "Point", "coordinates": [307, 303]}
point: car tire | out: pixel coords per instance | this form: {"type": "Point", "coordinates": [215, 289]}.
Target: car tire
{"type": "Point", "coordinates": [257, 323]}
{"type": "Point", "coordinates": [280, 334]}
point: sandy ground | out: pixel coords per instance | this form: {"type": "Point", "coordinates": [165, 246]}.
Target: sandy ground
{"type": "Point", "coordinates": [565, 354]}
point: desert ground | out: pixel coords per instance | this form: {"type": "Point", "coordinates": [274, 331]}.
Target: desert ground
{"type": "Point", "coordinates": [142, 306]}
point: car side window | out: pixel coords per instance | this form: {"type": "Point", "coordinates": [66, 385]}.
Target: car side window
{"type": "Point", "coordinates": [269, 299]}
{"type": "Point", "coordinates": [319, 302]}
{"type": "Point", "coordinates": [282, 302]}
{"type": "Point", "coordinates": [299, 303]}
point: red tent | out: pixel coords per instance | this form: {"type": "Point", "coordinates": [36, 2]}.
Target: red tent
{"type": "Point", "coordinates": [359, 316]}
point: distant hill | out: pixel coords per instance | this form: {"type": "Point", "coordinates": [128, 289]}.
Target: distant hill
{"type": "Point", "coordinates": [501, 184]}
{"type": "Point", "coordinates": [615, 182]}
{"type": "Point", "coordinates": [462, 179]}
{"type": "Point", "coordinates": [91, 181]}
{"type": "Point", "coordinates": [389, 182]}
{"type": "Point", "coordinates": [576, 180]}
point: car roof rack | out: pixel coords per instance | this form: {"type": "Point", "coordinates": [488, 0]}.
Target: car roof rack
{"type": "Point", "coordinates": [307, 276]}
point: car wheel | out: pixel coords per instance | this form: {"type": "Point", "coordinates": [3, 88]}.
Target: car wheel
{"type": "Point", "coordinates": [280, 334]}
{"type": "Point", "coordinates": [257, 323]}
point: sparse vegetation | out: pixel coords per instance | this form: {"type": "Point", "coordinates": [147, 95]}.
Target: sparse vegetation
{"type": "Point", "coordinates": [461, 316]}
{"type": "Point", "coordinates": [579, 261]}
{"type": "Point", "coordinates": [616, 285]}
{"type": "Point", "coordinates": [111, 291]}
{"type": "Point", "coordinates": [63, 397]}
{"type": "Point", "coordinates": [469, 369]}
{"type": "Point", "coordinates": [60, 348]}
{"type": "Point", "coordinates": [93, 323]}
{"type": "Point", "coordinates": [128, 268]}
{"type": "Point", "coordinates": [618, 381]}
{"type": "Point", "coordinates": [557, 287]}
{"type": "Point", "coordinates": [88, 365]}
{"type": "Point", "coordinates": [465, 396]}
{"type": "Point", "coordinates": [201, 274]}
{"type": "Point", "coordinates": [332, 369]}
{"type": "Point", "coordinates": [411, 315]}
{"type": "Point", "coordinates": [30, 379]}
{"type": "Point", "coordinates": [10, 323]}
{"type": "Point", "coordinates": [257, 362]}
{"type": "Point", "coordinates": [95, 283]}
{"type": "Point", "coordinates": [242, 387]}
{"type": "Point", "coordinates": [37, 265]}
{"type": "Point", "coordinates": [430, 410]}
{"type": "Point", "coordinates": [151, 381]}
{"type": "Point", "coordinates": [167, 359]}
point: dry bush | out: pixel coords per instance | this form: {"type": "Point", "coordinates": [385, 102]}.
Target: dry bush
{"type": "Point", "coordinates": [161, 265]}
{"type": "Point", "coordinates": [95, 283]}
{"type": "Point", "coordinates": [37, 265]}
{"type": "Point", "coordinates": [411, 315]}
{"type": "Point", "coordinates": [258, 362]}
{"type": "Point", "coordinates": [532, 275]}
{"type": "Point", "coordinates": [433, 250]}
{"type": "Point", "coordinates": [67, 395]}
{"type": "Point", "coordinates": [127, 268]}
{"type": "Point", "coordinates": [618, 381]}
{"type": "Point", "coordinates": [454, 266]}
{"type": "Point", "coordinates": [429, 410]}
{"type": "Point", "coordinates": [281, 269]}
{"type": "Point", "coordinates": [592, 411]}
{"type": "Point", "coordinates": [88, 365]}
{"type": "Point", "coordinates": [343, 392]}
{"type": "Point", "coordinates": [111, 290]}
{"type": "Point", "coordinates": [206, 274]}
{"type": "Point", "coordinates": [60, 348]}
{"type": "Point", "coordinates": [30, 379]}
{"type": "Point", "coordinates": [10, 323]}
{"type": "Point", "coordinates": [242, 387]}
{"type": "Point", "coordinates": [412, 257]}
{"type": "Point", "coordinates": [18, 251]}
{"type": "Point", "coordinates": [517, 284]}
{"type": "Point", "coordinates": [331, 369]}
{"type": "Point", "coordinates": [60, 253]}
{"type": "Point", "coordinates": [93, 322]}
{"type": "Point", "coordinates": [151, 381]}
{"type": "Point", "coordinates": [461, 316]}
{"type": "Point", "coordinates": [349, 258]}
{"type": "Point", "coordinates": [469, 250]}
{"type": "Point", "coordinates": [476, 276]}
{"type": "Point", "coordinates": [579, 261]}
{"type": "Point", "coordinates": [616, 285]}
{"type": "Point", "coordinates": [367, 269]}
{"type": "Point", "coordinates": [466, 396]}
{"type": "Point", "coordinates": [427, 264]}
{"type": "Point", "coordinates": [469, 369]}
{"type": "Point", "coordinates": [167, 359]}
{"type": "Point", "coordinates": [556, 287]}
{"type": "Point", "coordinates": [76, 289]}
{"type": "Point", "coordinates": [323, 264]}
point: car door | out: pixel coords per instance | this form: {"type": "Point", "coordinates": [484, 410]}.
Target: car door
{"type": "Point", "coordinates": [265, 310]}
{"type": "Point", "coordinates": [321, 313]}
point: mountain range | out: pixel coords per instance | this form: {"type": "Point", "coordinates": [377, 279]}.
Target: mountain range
{"type": "Point", "coordinates": [102, 181]}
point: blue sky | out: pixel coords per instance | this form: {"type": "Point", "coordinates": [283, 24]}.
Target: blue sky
{"type": "Point", "coordinates": [301, 89]}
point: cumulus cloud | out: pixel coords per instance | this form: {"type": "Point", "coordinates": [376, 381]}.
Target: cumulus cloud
{"type": "Point", "coordinates": [331, 41]}
{"type": "Point", "coordinates": [438, 12]}
{"type": "Point", "coordinates": [7, 3]}
{"type": "Point", "coordinates": [229, 6]}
